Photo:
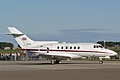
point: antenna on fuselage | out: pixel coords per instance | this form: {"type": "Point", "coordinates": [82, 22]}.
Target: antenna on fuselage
{"type": "Point", "coordinates": [104, 44]}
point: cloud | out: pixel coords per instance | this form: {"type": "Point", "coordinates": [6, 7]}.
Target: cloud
{"type": "Point", "coordinates": [82, 30]}
{"type": "Point", "coordinates": [79, 35]}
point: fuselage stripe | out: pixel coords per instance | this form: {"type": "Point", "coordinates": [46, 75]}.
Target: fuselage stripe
{"type": "Point", "coordinates": [64, 50]}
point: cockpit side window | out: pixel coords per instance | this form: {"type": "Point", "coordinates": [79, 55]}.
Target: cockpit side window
{"type": "Point", "coordinates": [98, 46]}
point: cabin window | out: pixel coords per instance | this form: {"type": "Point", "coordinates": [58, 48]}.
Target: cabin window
{"type": "Point", "coordinates": [58, 47]}
{"type": "Point", "coordinates": [74, 47]}
{"type": "Point", "coordinates": [78, 47]}
{"type": "Point", "coordinates": [66, 47]}
{"type": "Point", "coordinates": [70, 47]}
{"type": "Point", "coordinates": [62, 47]}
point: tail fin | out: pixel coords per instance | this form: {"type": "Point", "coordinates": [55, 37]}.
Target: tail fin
{"type": "Point", "coordinates": [21, 38]}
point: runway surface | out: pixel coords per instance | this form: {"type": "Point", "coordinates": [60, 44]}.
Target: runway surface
{"type": "Point", "coordinates": [68, 70]}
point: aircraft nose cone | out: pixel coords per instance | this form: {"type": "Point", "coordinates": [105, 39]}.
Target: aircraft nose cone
{"type": "Point", "coordinates": [113, 52]}
{"type": "Point", "coordinates": [116, 53]}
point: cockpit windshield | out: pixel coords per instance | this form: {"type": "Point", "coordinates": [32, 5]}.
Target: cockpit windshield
{"type": "Point", "coordinates": [98, 46]}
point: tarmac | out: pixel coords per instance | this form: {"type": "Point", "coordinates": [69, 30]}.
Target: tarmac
{"type": "Point", "coordinates": [68, 70]}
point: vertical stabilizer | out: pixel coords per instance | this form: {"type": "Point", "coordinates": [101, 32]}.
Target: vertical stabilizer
{"type": "Point", "coordinates": [21, 38]}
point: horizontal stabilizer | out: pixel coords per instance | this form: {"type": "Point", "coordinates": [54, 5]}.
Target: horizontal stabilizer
{"type": "Point", "coordinates": [14, 31]}
{"type": "Point", "coordinates": [15, 34]}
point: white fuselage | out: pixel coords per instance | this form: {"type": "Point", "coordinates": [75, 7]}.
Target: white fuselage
{"type": "Point", "coordinates": [59, 51]}
{"type": "Point", "coordinates": [72, 50]}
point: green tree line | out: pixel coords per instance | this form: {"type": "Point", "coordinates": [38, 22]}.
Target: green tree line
{"type": "Point", "coordinates": [5, 44]}
{"type": "Point", "coordinates": [104, 43]}
{"type": "Point", "coordinates": [109, 43]}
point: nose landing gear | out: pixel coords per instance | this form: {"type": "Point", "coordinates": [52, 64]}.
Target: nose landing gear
{"type": "Point", "coordinates": [100, 61]}
{"type": "Point", "coordinates": [56, 62]}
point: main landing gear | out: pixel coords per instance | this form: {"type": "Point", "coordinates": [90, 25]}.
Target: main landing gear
{"type": "Point", "coordinates": [100, 61]}
{"type": "Point", "coordinates": [56, 62]}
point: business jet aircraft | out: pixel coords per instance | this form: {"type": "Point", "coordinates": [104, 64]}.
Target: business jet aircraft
{"type": "Point", "coordinates": [60, 51]}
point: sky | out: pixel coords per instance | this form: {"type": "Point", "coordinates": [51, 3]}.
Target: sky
{"type": "Point", "coordinates": [62, 20]}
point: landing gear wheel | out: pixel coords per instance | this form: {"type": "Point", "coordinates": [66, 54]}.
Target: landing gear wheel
{"type": "Point", "coordinates": [101, 62]}
{"type": "Point", "coordinates": [52, 62]}
{"type": "Point", "coordinates": [57, 62]}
